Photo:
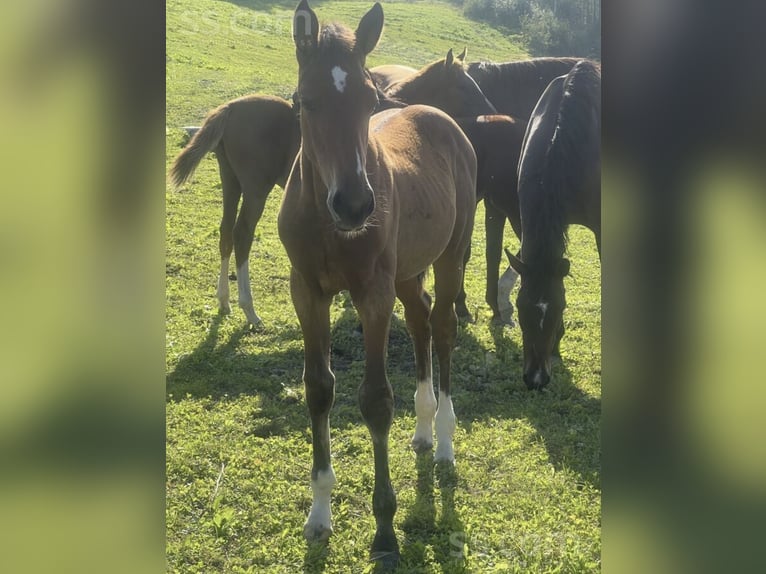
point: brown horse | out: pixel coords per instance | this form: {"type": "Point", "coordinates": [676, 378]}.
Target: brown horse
{"type": "Point", "coordinates": [497, 142]}
{"type": "Point", "coordinates": [371, 202]}
{"type": "Point", "coordinates": [443, 84]}
{"type": "Point", "coordinates": [255, 139]}
{"type": "Point", "coordinates": [387, 74]}
{"type": "Point", "coordinates": [559, 184]}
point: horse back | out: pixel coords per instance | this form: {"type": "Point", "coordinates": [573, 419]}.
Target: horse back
{"type": "Point", "coordinates": [262, 128]}
{"type": "Point", "coordinates": [433, 173]}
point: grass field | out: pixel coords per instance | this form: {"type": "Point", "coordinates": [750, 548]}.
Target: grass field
{"type": "Point", "coordinates": [525, 492]}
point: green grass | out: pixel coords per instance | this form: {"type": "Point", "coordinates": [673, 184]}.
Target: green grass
{"type": "Point", "coordinates": [525, 492]}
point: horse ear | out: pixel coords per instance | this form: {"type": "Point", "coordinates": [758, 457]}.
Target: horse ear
{"type": "Point", "coordinates": [369, 30]}
{"type": "Point", "coordinates": [449, 59]}
{"type": "Point", "coordinates": [305, 29]}
{"type": "Point", "coordinates": [562, 269]}
{"type": "Point", "coordinates": [462, 54]}
{"type": "Point", "coordinates": [518, 265]}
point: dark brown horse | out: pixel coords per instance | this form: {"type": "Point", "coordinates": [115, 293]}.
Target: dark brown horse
{"type": "Point", "coordinates": [514, 87]}
{"type": "Point", "coordinates": [497, 140]}
{"type": "Point", "coordinates": [559, 184]}
{"type": "Point", "coordinates": [371, 203]}
{"type": "Point", "coordinates": [255, 140]}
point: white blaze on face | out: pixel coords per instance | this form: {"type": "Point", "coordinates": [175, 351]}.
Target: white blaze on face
{"type": "Point", "coordinates": [543, 306]}
{"type": "Point", "coordinates": [359, 168]}
{"type": "Point", "coordinates": [339, 78]}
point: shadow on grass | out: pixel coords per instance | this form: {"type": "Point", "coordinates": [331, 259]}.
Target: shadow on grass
{"type": "Point", "coordinates": [315, 560]}
{"type": "Point", "coordinates": [484, 384]}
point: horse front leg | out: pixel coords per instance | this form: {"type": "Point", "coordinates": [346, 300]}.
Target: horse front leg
{"type": "Point", "coordinates": [376, 402]}
{"type": "Point", "coordinates": [313, 310]}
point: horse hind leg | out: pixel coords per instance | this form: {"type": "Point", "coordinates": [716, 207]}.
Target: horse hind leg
{"type": "Point", "coordinates": [417, 311]}
{"type": "Point", "coordinates": [231, 192]}
{"type": "Point", "coordinates": [254, 195]}
{"type": "Point", "coordinates": [448, 272]}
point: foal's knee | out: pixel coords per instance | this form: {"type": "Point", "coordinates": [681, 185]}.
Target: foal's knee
{"type": "Point", "coordinates": [377, 406]}
{"type": "Point", "coordinates": [320, 390]}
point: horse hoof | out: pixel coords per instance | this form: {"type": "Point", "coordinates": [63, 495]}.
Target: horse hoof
{"type": "Point", "coordinates": [465, 317]}
{"type": "Point", "coordinates": [420, 445]}
{"type": "Point", "coordinates": [317, 532]}
{"type": "Point", "coordinates": [501, 321]}
{"type": "Point", "coordinates": [385, 550]}
{"type": "Point", "coordinates": [224, 309]}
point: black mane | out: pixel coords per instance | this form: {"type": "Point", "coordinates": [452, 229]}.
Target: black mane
{"type": "Point", "coordinates": [573, 146]}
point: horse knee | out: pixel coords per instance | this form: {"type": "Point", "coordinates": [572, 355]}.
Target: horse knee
{"type": "Point", "coordinates": [377, 406]}
{"type": "Point", "coordinates": [320, 390]}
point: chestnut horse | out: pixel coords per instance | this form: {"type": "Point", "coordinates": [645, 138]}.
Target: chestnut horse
{"type": "Point", "coordinates": [256, 138]}
{"type": "Point", "coordinates": [371, 203]}
{"type": "Point", "coordinates": [559, 184]}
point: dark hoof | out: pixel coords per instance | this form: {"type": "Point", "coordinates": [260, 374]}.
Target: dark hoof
{"type": "Point", "coordinates": [232, 276]}
{"type": "Point", "coordinates": [500, 321]}
{"type": "Point", "coordinates": [385, 550]}
{"type": "Point", "coordinates": [421, 446]}
{"type": "Point", "coordinates": [464, 316]}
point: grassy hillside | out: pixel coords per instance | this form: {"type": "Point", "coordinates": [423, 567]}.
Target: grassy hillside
{"type": "Point", "coordinates": [525, 494]}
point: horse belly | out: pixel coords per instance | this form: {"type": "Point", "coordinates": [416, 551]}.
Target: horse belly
{"type": "Point", "coordinates": [426, 222]}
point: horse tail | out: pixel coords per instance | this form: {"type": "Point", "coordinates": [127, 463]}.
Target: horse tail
{"type": "Point", "coordinates": [204, 141]}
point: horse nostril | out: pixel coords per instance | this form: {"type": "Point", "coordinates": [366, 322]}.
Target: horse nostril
{"type": "Point", "coordinates": [352, 210]}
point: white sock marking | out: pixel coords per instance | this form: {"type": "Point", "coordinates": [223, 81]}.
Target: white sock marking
{"type": "Point", "coordinates": [504, 287]}
{"type": "Point", "coordinates": [425, 409]}
{"type": "Point", "coordinates": [245, 296]}
{"type": "Point", "coordinates": [339, 78]}
{"type": "Point", "coordinates": [445, 429]}
{"type": "Point", "coordinates": [320, 515]}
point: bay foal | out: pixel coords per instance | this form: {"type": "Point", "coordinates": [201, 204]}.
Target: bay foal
{"type": "Point", "coordinates": [372, 202]}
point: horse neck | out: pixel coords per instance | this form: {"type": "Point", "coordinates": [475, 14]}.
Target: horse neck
{"type": "Point", "coordinates": [543, 223]}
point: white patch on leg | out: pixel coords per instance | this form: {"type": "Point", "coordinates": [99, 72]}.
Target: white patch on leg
{"type": "Point", "coordinates": [504, 288]}
{"type": "Point", "coordinates": [543, 306]}
{"type": "Point", "coordinates": [339, 78]}
{"type": "Point", "coordinates": [425, 409]}
{"type": "Point", "coordinates": [223, 287]}
{"type": "Point", "coordinates": [245, 296]}
{"type": "Point", "coordinates": [445, 429]}
{"type": "Point", "coordinates": [318, 526]}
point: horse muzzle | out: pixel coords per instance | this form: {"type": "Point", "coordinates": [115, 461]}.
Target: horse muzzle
{"type": "Point", "coordinates": [351, 209]}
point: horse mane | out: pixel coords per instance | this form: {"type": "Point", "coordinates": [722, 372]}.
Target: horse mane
{"type": "Point", "coordinates": [575, 141]}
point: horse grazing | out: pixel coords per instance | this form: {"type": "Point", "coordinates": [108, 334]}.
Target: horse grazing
{"type": "Point", "coordinates": [497, 140]}
{"type": "Point", "coordinates": [255, 139]}
{"type": "Point", "coordinates": [559, 183]}
{"type": "Point", "coordinates": [371, 202]}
